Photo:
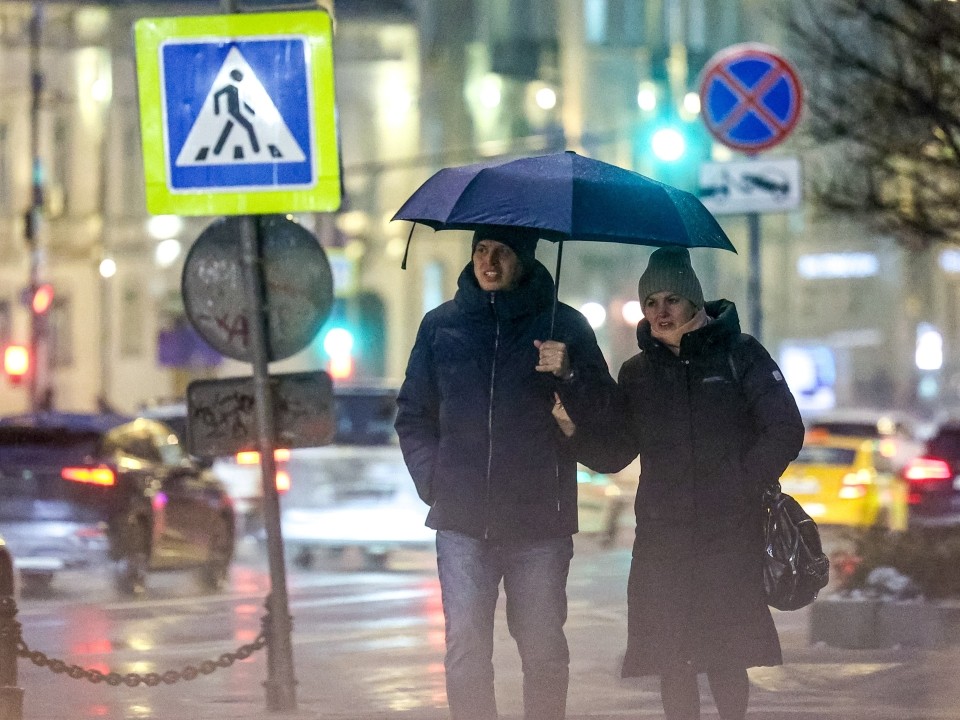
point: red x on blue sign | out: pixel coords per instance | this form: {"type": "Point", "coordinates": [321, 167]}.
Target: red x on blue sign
{"type": "Point", "coordinates": [750, 97]}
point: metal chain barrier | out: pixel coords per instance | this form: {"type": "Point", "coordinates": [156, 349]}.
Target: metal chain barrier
{"type": "Point", "coordinates": [152, 679]}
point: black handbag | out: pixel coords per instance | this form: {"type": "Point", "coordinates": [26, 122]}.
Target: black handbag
{"type": "Point", "coordinates": [795, 567]}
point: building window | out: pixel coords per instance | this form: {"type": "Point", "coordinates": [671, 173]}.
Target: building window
{"type": "Point", "coordinates": [595, 21]}
{"type": "Point", "coordinates": [4, 169]}
{"type": "Point", "coordinates": [132, 321]}
{"type": "Point", "coordinates": [6, 323]}
{"type": "Point", "coordinates": [60, 333]}
{"type": "Point", "coordinates": [59, 189]}
{"type": "Point", "coordinates": [133, 183]}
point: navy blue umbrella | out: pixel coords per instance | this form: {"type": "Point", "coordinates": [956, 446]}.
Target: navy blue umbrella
{"type": "Point", "coordinates": [564, 196]}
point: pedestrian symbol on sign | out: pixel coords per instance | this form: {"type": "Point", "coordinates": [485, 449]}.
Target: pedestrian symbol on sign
{"type": "Point", "coordinates": [238, 122]}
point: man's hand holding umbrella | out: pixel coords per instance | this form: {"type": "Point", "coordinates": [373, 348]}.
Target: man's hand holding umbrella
{"type": "Point", "coordinates": [553, 358]}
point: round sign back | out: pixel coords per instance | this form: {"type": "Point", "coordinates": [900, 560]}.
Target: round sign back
{"type": "Point", "coordinates": [297, 287]}
{"type": "Point", "coordinates": [750, 97]}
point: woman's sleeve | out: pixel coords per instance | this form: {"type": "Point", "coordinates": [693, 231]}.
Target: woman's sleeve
{"type": "Point", "coordinates": [778, 427]}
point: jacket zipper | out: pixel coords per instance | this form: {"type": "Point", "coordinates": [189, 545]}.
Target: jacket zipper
{"type": "Point", "coordinates": [493, 376]}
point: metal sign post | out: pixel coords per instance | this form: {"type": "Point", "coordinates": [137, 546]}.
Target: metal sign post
{"type": "Point", "coordinates": [238, 118]}
{"type": "Point", "coordinates": [751, 99]}
{"type": "Point", "coordinates": [281, 682]}
{"type": "Point", "coordinates": [258, 289]}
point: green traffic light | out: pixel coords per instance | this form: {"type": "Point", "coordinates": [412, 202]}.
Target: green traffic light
{"type": "Point", "coordinates": [668, 144]}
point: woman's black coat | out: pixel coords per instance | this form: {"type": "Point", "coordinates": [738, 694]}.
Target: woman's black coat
{"type": "Point", "coordinates": [713, 426]}
{"type": "Point", "coordinates": [474, 415]}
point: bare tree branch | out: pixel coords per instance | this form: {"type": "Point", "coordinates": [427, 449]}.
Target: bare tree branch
{"type": "Point", "coordinates": [883, 98]}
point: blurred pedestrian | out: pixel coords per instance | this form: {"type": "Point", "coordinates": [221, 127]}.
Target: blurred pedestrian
{"type": "Point", "coordinates": [487, 419]}
{"type": "Point", "coordinates": [714, 423]}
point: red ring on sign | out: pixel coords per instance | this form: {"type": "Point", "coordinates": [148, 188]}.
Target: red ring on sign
{"type": "Point", "coordinates": [717, 69]}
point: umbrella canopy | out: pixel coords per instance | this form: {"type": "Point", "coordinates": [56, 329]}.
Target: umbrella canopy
{"type": "Point", "coordinates": [565, 196]}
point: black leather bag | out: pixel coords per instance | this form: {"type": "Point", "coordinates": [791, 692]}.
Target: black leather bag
{"type": "Point", "coordinates": [795, 567]}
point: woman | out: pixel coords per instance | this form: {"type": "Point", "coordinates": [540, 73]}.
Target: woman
{"type": "Point", "coordinates": [714, 422]}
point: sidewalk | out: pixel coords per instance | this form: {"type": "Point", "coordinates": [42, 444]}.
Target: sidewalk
{"type": "Point", "coordinates": [815, 683]}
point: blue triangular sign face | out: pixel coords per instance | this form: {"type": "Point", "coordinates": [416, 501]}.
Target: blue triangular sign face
{"type": "Point", "coordinates": [238, 123]}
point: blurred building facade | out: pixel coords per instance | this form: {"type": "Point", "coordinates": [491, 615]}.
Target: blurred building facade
{"type": "Point", "coordinates": [420, 85]}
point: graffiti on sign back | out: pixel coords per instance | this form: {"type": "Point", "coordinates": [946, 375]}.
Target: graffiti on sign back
{"type": "Point", "coordinates": [222, 414]}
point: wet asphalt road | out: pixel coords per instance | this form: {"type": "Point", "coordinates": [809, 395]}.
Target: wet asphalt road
{"type": "Point", "coordinates": [370, 645]}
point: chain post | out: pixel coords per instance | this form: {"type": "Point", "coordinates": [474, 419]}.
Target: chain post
{"type": "Point", "coordinates": [11, 696]}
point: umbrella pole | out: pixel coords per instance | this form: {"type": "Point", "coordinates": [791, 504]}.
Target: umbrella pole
{"type": "Point", "coordinates": [556, 286]}
{"type": "Point", "coordinates": [403, 264]}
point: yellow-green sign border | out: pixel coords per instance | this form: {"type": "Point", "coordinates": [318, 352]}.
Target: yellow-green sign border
{"type": "Point", "coordinates": [151, 33]}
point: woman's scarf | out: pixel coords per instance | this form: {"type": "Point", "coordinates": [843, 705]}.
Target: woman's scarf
{"type": "Point", "coordinates": [671, 338]}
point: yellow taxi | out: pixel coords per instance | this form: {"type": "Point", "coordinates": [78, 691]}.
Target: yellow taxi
{"type": "Point", "coordinates": [848, 481]}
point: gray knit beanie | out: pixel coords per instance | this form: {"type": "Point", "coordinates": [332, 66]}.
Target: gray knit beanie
{"type": "Point", "coordinates": [670, 269]}
{"type": "Point", "coordinates": [523, 241]}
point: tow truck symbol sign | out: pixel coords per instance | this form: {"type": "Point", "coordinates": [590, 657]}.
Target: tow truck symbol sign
{"type": "Point", "coordinates": [754, 186]}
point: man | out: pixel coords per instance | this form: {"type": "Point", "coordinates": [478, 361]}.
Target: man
{"type": "Point", "coordinates": [479, 437]}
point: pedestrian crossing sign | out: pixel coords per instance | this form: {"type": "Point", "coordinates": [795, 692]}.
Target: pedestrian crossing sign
{"type": "Point", "coordinates": [237, 114]}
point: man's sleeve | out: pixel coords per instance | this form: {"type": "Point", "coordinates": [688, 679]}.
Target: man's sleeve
{"type": "Point", "coordinates": [418, 416]}
{"type": "Point", "coordinates": [596, 405]}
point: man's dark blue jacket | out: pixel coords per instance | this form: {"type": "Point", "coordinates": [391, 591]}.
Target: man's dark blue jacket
{"type": "Point", "coordinates": [474, 417]}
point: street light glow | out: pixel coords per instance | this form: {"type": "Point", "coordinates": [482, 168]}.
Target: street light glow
{"type": "Point", "coordinates": [490, 91]}
{"type": "Point", "coordinates": [546, 98]}
{"type": "Point", "coordinates": [632, 312]}
{"type": "Point", "coordinates": [594, 313]}
{"type": "Point", "coordinates": [162, 227]}
{"type": "Point", "coordinates": [647, 97]}
{"type": "Point", "coordinates": [108, 268]}
{"type": "Point", "coordinates": [167, 252]}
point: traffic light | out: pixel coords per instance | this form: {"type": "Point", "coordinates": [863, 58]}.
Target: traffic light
{"type": "Point", "coordinates": [338, 344]}
{"type": "Point", "coordinates": [668, 144]}
{"type": "Point", "coordinates": [42, 299]}
{"type": "Point", "coordinates": [16, 363]}
{"type": "Point", "coordinates": [670, 149]}
{"type": "Point", "coordinates": [352, 343]}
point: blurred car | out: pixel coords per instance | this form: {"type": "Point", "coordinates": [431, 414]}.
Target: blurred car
{"type": "Point", "coordinates": [355, 492]}
{"type": "Point", "coordinates": [605, 501]}
{"type": "Point", "coordinates": [900, 433]}
{"type": "Point", "coordinates": [933, 476]}
{"type": "Point", "coordinates": [85, 490]}
{"type": "Point", "coordinates": [240, 473]}
{"type": "Point", "coordinates": [352, 496]}
{"type": "Point", "coordinates": [364, 418]}
{"type": "Point", "coordinates": [847, 481]}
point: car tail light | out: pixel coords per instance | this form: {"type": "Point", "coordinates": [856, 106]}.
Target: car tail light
{"type": "Point", "coordinates": [854, 485]}
{"type": "Point", "coordinates": [252, 457]}
{"type": "Point", "coordinates": [283, 481]}
{"type": "Point", "coordinates": [927, 469]}
{"type": "Point", "coordinates": [101, 475]}
{"type": "Point", "coordinates": [923, 471]}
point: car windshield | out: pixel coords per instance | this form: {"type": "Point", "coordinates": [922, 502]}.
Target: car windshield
{"type": "Point", "coordinates": [848, 429]}
{"type": "Point", "coordinates": [946, 443]}
{"type": "Point", "coordinates": [31, 461]}
{"type": "Point", "coordinates": [46, 446]}
{"type": "Point", "coordinates": [366, 418]}
{"type": "Point", "coordinates": [826, 455]}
